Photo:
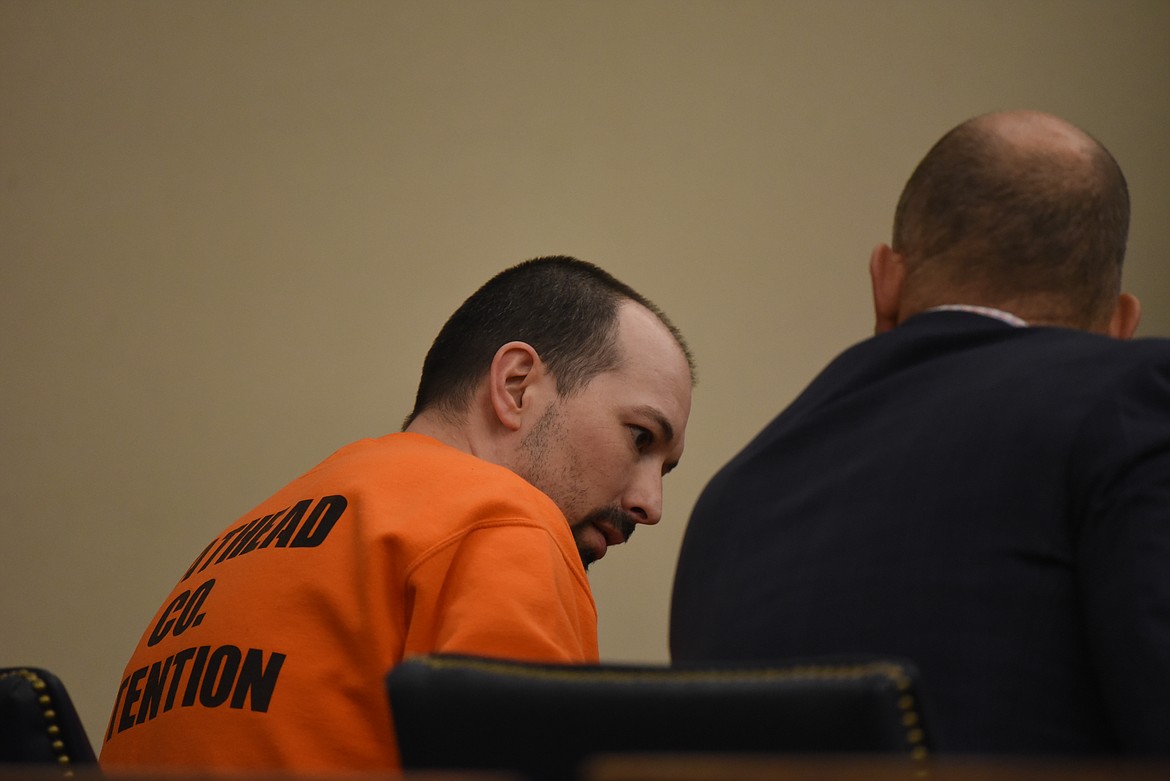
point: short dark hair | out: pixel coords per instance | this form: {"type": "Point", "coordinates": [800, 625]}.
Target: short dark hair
{"type": "Point", "coordinates": [564, 307]}
{"type": "Point", "coordinates": [1018, 222]}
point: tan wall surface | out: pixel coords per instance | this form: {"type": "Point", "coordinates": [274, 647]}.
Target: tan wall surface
{"type": "Point", "coordinates": [229, 231]}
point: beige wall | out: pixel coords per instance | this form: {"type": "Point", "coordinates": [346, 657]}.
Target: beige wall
{"type": "Point", "coordinates": [229, 231]}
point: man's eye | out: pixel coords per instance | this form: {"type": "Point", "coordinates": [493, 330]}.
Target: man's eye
{"type": "Point", "coordinates": [643, 438]}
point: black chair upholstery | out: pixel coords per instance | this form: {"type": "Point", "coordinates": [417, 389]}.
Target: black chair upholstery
{"type": "Point", "coordinates": [38, 723]}
{"type": "Point", "coordinates": [543, 721]}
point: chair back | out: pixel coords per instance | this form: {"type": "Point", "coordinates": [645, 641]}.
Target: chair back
{"type": "Point", "coordinates": [544, 720]}
{"type": "Point", "coordinates": [38, 723]}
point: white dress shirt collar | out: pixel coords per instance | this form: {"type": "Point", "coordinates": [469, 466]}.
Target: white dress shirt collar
{"type": "Point", "coordinates": [986, 311]}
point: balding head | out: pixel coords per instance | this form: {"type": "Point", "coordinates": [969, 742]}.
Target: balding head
{"type": "Point", "coordinates": [1019, 210]}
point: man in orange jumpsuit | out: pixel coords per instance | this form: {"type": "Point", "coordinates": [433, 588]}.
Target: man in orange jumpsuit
{"type": "Point", "coordinates": [550, 407]}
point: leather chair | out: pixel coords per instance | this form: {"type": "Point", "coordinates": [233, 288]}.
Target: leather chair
{"type": "Point", "coordinates": [38, 723]}
{"type": "Point", "coordinates": [543, 721]}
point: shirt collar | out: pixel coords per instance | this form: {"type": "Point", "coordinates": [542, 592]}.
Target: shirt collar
{"type": "Point", "coordinates": [986, 311]}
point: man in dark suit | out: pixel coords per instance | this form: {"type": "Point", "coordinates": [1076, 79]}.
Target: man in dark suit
{"type": "Point", "coordinates": [984, 486]}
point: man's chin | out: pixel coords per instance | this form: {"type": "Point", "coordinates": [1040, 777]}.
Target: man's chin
{"type": "Point", "coordinates": [600, 529]}
{"type": "Point", "coordinates": [591, 544]}
{"type": "Point", "coordinates": [587, 556]}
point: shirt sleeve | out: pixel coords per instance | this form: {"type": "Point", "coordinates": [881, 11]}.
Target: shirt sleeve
{"type": "Point", "coordinates": [1124, 554]}
{"type": "Point", "coordinates": [502, 589]}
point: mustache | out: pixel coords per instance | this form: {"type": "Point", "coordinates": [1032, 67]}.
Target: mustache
{"type": "Point", "coordinates": [615, 517]}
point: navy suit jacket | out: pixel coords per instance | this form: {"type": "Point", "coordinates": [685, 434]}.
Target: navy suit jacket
{"type": "Point", "coordinates": [988, 501]}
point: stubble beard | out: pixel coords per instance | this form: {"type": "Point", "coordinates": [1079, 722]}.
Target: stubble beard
{"type": "Point", "coordinates": [564, 488]}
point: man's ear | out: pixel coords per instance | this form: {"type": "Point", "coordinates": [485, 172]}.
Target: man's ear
{"type": "Point", "coordinates": [1127, 313]}
{"type": "Point", "coordinates": [515, 370]}
{"type": "Point", "coordinates": [887, 273]}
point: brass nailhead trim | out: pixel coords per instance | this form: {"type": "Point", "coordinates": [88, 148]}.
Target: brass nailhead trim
{"type": "Point", "coordinates": [915, 737]}
{"type": "Point", "coordinates": [50, 715]}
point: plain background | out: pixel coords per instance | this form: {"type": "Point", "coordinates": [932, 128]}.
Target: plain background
{"type": "Point", "coordinates": [229, 231]}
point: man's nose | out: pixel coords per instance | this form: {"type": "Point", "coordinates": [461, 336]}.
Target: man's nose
{"type": "Point", "coordinates": [644, 499]}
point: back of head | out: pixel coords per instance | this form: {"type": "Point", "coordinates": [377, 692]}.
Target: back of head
{"type": "Point", "coordinates": [565, 308]}
{"type": "Point", "coordinates": [1016, 209]}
